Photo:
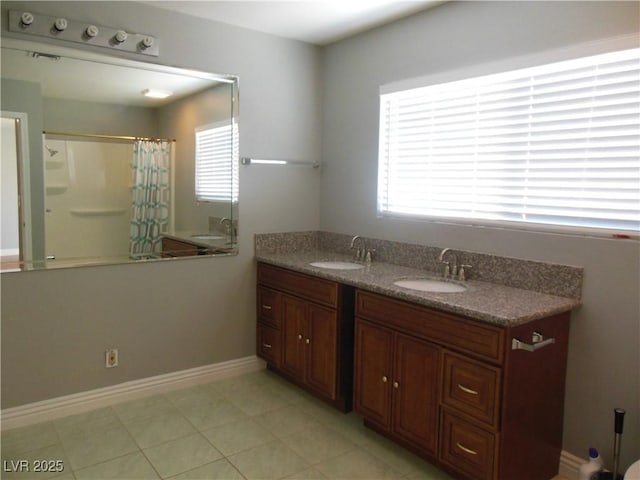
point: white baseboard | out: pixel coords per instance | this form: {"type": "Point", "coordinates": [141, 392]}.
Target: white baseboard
{"type": "Point", "coordinates": [569, 465]}
{"type": "Point", "coordinates": [58, 407]}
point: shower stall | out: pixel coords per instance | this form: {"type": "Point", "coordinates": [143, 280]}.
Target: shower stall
{"type": "Point", "coordinates": [106, 196]}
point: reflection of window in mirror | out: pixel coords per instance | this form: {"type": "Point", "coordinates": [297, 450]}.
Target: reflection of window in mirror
{"type": "Point", "coordinates": [214, 173]}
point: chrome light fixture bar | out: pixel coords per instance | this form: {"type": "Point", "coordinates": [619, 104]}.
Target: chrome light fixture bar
{"type": "Point", "coordinates": [82, 32]}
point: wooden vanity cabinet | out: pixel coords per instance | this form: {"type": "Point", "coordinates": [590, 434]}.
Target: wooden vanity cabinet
{"type": "Point", "coordinates": [387, 393]}
{"type": "Point", "coordinates": [453, 390]}
{"type": "Point", "coordinates": [305, 332]}
{"type": "Point", "coordinates": [176, 248]}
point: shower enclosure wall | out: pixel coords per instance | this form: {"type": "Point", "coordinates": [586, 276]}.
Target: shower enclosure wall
{"type": "Point", "coordinates": [88, 197]}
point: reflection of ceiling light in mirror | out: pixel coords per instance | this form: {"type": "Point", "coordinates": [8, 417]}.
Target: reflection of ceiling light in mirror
{"type": "Point", "coordinates": [147, 92]}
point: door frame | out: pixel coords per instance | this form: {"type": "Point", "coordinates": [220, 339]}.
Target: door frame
{"type": "Point", "coordinates": [24, 184]}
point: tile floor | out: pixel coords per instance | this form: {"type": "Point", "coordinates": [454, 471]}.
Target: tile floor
{"type": "Point", "coordinates": [255, 426]}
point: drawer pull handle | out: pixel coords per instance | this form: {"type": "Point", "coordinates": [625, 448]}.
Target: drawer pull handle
{"type": "Point", "coordinates": [266, 345]}
{"type": "Point", "coordinates": [537, 342]}
{"type": "Point", "coordinates": [267, 307]}
{"type": "Point", "coordinates": [384, 379]}
{"type": "Point", "coordinates": [467, 390]}
{"type": "Point", "coordinates": [465, 449]}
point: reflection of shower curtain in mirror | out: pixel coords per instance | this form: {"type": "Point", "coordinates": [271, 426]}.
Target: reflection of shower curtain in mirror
{"type": "Point", "coordinates": [151, 196]}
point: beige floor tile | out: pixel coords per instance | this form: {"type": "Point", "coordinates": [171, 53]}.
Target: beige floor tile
{"type": "Point", "coordinates": [144, 408]}
{"type": "Point", "coordinates": [182, 455]}
{"type": "Point", "coordinates": [310, 474]}
{"type": "Point", "coordinates": [131, 467]}
{"type": "Point", "coordinates": [285, 421]}
{"type": "Point", "coordinates": [270, 461]}
{"type": "Point", "coordinates": [98, 446]}
{"type": "Point", "coordinates": [160, 429]}
{"type": "Point", "coordinates": [237, 436]}
{"type": "Point", "coordinates": [318, 443]}
{"type": "Point", "coordinates": [86, 423]}
{"type": "Point", "coordinates": [20, 440]}
{"type": "Point", "coordinates": [218, 470]}
{"type": "Point", "coordinates": [357, 464]}
{"type": "Point", "coordinates": [206, 415]}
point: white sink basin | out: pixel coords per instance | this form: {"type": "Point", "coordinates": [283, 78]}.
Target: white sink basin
{"type": "Point", "coordinates": [337, 265]}
{"type": "Point", "coordinates": [427, 285]}
{"type": "Point", "coordinates": [207, 236]}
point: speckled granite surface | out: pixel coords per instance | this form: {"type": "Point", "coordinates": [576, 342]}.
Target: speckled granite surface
{"type": "Point", "coordinates": [490, 301]}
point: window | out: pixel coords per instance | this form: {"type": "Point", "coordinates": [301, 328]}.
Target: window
{"type": "Point", "coordinates": [554, 145]}
{"type": "Point", "coordinates": [216, 172]}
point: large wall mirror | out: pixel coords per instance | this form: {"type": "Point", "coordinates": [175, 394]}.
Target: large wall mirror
{"type": "Point", "coordinates": [111, 160]}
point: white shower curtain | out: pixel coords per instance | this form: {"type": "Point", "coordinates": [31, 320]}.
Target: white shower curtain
{"type": "Point", "coordinates": [151, 196]}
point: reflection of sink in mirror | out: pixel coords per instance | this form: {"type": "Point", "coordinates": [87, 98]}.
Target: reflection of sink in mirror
{"type": "Point", "coordinates": [337, 265]}
{"type": "Point", "coordinates": [428, 285]}
{"type": "Point", "coordinates": [207, 236]}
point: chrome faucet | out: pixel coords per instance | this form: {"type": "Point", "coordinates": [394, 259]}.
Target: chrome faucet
{"type": "Point", "coordinates": [361, 252]}
{"type": "Point", "coordinates": [449, 270]}
{"type": "Point", "coordinates": [225, 223]}
{"type": "Point", "coordinates": [453, 270]}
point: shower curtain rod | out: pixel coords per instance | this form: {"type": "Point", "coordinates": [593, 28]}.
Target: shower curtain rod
{"type": "Point", "coordinates": [110, 137]}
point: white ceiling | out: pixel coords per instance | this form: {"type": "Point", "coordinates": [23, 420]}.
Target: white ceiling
{"type": "Point", "coordinates": [313, 21]}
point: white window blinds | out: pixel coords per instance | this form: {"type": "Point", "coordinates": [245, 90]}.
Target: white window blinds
{"type": "Point", "coordinates": [216, 167]}
{"type": "Point", "coordinates": [557, 144]}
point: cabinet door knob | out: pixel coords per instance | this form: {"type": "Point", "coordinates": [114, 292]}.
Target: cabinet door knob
{"type": "Point", "coordinates": [267, 307]}
{"type": "Point", "coordinates": [465, 449]}
{"type": "Point", "coordinates": [467, 390]}
{"type": "Point", "coordinates": [384, 379]}
{"type": "Point", "coordinates": [396, 384]}
{"type": "Point", "coordinates": [300, 337]}
{"type": "Point", "coordinates": [307, 341]}
{"type": "Point", "coordinates": [266, 345]}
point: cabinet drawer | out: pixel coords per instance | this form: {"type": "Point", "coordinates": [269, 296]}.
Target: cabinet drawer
{"type": "Point", "coordinates": [311, 288]}
{"type": "Point", "coordinates": [483, 340]}
{"type": "Point", "coordinates": [472, 388]}
{"type": "Point", "coordinates": [467, 448]}
{"type": "Point", "coordinates": [268, 307]}
{"type": "Point", "coordinates": [268, 344]}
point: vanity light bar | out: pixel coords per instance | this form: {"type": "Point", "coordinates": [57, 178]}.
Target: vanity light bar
{"type": "Point", "coordinates": [262, 161]}
{"type": "Point", "coordinates": [82, 32]}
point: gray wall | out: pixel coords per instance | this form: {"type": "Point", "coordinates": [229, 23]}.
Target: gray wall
{"type": "Point", "coordinates": [604, 358]}
{"type": "Point", "coordinates": [172, 315]}
{"type": "Point", "coordinates": [103, 118]}
{"type": "Point", "coordinates": [179, 120]}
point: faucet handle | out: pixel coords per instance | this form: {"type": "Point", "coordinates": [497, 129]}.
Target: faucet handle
{"type": "Point", "coordinates": [462, 276]}
{"type": "Point", "coordinates": [369, 255]}
{"type": "Point", "coordinates": [447, 270]}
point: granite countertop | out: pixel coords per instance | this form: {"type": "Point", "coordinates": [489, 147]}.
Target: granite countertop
{"type": "Point", "coordinates": [490, 302]}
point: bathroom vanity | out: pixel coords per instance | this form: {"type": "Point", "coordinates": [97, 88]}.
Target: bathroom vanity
{"type": "Point", "coordinates": [305, 332]}
{"type": "Point", "coordinates": [472, 381]}
{"type": "Point", "coordinates": [187, 244]}
{"type": "Point", "coordinates": [456, 391]}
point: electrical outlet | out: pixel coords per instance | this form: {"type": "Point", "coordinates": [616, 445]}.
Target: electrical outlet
{"type": "Point", "coordinates": [111, 358]}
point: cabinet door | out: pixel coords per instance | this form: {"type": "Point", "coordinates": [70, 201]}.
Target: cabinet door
{"type": "Point", "coordinates": [372, 376]}
{"type": "Point", "coordinates": [321, 339]}
{"type": "Point", "coordinates": [415, 392]}
{"type": "Point", "coordinates": [293, 322]}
